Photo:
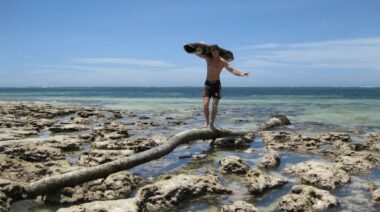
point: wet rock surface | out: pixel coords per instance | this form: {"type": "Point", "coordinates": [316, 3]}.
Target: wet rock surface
{"type": "Point", "coordinates": [9, 192]}
{"type": "Point", "coordinates": [29, 151]}
{"type": "Point", "coordinates": [122, 205]}
{"type": "Point", "coordinates": [376, 195]}
{"type": "Point", "coordinates": [335, 136]}
{"type": "Point", "coordinates": [320, 174]}
{"type": "Point", "coordinates": [373, 141]}
{"type": "Point", "coordinates": [115, 186]}
{"type": "Point", "coordinates": [285, 140]}
{"type": "Point", "coordinates": [307, 198]}
{"type": "Point", "coordinates": [239, 206]}
{"type": "Point", "coordinates": [358, 162]}
{"type": "Point", "coordinates": [68, 127]}
{"type": "Point", "coordinates": [270, 160]}
{"type": "Point", "coordinates": [257, 182]}
{"type": "Point", "coordinates": [233, 165]}
{"type": "Point", "coordinates": [33, 153]}
{"type": "Point", "coordinates": [233, 142]}
{"type": "Point", "coordinates": [169, 193]}
{"type": "Point", "coordinates": [275, 121]}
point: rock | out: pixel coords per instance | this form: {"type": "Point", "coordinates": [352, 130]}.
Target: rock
{"type": "Point", "coordinates": [34, 153]}
{"type": "Point", "coordinates": [121, 205]}
{"type": "Point", "coordinates": [321, 174]}
{"type": "Point", "coordinates": [258, 183]}
{"type": "Point", "coordinates": [99, 156]}
{"type": "Point", "coordinates": [167, 194]}
{"type": "Point", "coordinates": [87, 113]}
{"type": "Point", "coordinates": [12, 168]}
{"type": "Point", "coordinates": [373, 141]}
{"type": "Point", "coordinates": [251, 150]}
{"type": "Point", "coordinates": [274, 121]}
{"type": "Point", "coordinates": [12, 190]}
{"type": "Point", "coordinates": [233, 164]}
{"type": "Point", "coordinates": [59, 128]}
{"type": "Point", "coordinates": [115, 186]}
{"type": "Point", "coordinates": [307, 198]}
{"type": "Point", "coordinates": [376, 195]}
{"type": "Point", "coordinates": [133, 143]}
{"type": "Point", "coordinates": [117, 115]}
{"type": "Point", "coordinates": [335, 136]}
{"type": "Point", "coordinates": [357, 162]}
{"type": "Point", "coordinates": [65, 143]}
{"type": "Point", "coordinates": [176, 122]}
{"type": "Point", "coordinates": [290, 141]}
{"type": "Point", "coordinates": [198, 157]}
{"type": "Point", "coordinates": [144, 124]}
{"type": "Point", "coordinates": [81, 121]}
{"type": "Point", "coordinates": [270, 160]}
{"type": "Point", "coordinates": [5, 203]}
{"type": "Point", "coordinates": [239, 206]}
{"type": "Point", "coordinates": [111, 130]}
{"type": "Point", "coordinates": [233, 142]}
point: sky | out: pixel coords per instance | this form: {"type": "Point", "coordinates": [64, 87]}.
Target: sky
{"type": "Point", "coordinates": [57, 43]}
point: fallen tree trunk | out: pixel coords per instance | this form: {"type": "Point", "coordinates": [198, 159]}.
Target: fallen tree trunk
{"type": "Point", "coordinates": [53, 183]}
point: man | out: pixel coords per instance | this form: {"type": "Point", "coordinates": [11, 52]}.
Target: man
{"type": "Point", "coordinates": [212, 87]}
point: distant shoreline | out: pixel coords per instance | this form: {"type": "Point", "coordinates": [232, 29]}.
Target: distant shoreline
{"type": "Point", "coordinates": [76, 87]}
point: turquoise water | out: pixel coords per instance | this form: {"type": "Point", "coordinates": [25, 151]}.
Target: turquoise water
{"type": "Point", "coordinates": [310, 109]}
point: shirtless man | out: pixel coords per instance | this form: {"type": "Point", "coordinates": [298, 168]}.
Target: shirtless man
{"type": "Point", "coordinates": [212, 87]}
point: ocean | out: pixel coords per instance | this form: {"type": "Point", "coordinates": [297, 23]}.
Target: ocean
{"type": "Point", "coordinates": [323, 108]}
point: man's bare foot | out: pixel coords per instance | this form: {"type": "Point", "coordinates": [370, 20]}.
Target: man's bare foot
{"type": "Point", "coordinates": [212, 127]}
{"type": "Point", "coordinates": [205, 125]}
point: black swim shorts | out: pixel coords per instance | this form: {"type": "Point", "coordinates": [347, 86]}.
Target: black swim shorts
{"type": "Point", "coordinates": [212, 89]}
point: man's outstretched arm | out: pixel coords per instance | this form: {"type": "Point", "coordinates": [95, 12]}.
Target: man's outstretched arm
{"type": "Point", "coordinates": [235, 72]}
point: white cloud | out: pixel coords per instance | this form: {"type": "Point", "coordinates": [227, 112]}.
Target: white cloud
{"type": "Point", "coordinates": [363, 53]}
{"type": "Point", "coordinates": [122, 61]}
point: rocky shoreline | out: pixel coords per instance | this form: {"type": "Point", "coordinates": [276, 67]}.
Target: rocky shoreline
{"type": "Point", "coordinates": [40, 140]}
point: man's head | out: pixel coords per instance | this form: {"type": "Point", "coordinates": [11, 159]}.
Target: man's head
{"type": "Point", "coordinates": [214, 50]}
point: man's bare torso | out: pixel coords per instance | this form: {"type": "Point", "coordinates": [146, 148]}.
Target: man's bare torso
{"type": "Point", "coordinates": [214, 68]}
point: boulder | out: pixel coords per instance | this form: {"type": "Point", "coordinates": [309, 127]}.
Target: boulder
{"type": "Point", "coordinates": [257, 182]}
{"type": "Point", "coordinates": [167, 194]}
{"type": "Point", "coordinates": [233, 164]}
{"type": "Point", "coordinates": [357, 162]}
{"type": "Point", "coordinates": [33, 152]}
{"type": "Point", "coordinates": [270, 160]}
{"type": "Point", "coordinates": [307, 198]}
{"type": "Point", "coordinates": [321, 174]}
{"type": "Point", "coordinates": [239, 206]}
{"type": "Point", "coordinates": [285, 140]}
{"type": "Point", "coordinates": [274, 121]}
{"type": "Point", "coordinates": [373, 141]}
{"type": "Point", "coordinates": [376, 195]}
{"type": "Point", "coordinates": [121, 205]}
{"type": "Point", "coordinates": [233, 142]}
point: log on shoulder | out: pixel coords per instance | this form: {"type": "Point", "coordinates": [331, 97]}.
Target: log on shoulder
{"type": "Point", "coordinates": [53, 183]}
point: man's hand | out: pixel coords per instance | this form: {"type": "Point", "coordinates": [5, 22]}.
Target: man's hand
{"type": "Point", "coordinates": [245, 74]}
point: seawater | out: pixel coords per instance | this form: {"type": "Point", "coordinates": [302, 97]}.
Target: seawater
{"type": "Point", "coordinates": [311, 110]}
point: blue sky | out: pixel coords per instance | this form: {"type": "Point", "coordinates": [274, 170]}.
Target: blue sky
{"type": "Point", "coordinates": [139, 43]}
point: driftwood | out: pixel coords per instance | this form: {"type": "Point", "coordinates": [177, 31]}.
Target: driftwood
{"type": "Point", "coordinates": [73, 178]}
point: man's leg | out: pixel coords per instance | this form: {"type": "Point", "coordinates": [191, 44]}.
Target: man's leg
{"type": "Point", "coordinates": [214, 111]}
{"type": "Point", "coordinates": [206, 102]}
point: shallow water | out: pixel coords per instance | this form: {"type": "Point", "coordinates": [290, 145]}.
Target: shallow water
{"type": "Point", "coordinates": [313, 111]}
